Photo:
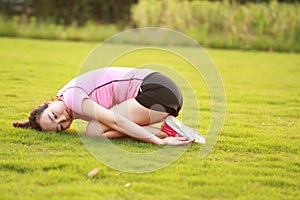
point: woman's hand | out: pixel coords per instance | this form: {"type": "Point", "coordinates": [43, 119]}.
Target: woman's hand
{"type": "Point", "coordinates": [177, 141]}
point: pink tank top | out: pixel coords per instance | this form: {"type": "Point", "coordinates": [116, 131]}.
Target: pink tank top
{"type": "Point", "coordinates": [106, 86]}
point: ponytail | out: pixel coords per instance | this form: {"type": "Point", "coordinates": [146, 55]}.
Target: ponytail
{"type": "Point", "coordinates": [25, 124]}
{"type": "Point", "coordinates": [32, 120]}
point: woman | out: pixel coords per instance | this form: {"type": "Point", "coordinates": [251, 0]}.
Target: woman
{"type": "Point", "coordinates": [117, 102]}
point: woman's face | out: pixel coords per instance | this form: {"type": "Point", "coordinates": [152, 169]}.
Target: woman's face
{"type": "Point", "coordinates": [56, 117]}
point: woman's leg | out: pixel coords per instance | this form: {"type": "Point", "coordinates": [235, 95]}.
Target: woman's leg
{"type": "Point", "coordinates": [134, 111]}
{"type": "Point", "coordinates": [139, 114]}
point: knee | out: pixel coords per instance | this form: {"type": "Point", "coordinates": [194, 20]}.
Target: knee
{"type": "Point", "coordinates": [94, 129]}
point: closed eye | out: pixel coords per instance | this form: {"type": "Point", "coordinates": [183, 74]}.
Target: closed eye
{"type": "Point", "coordinates": [54, 115]}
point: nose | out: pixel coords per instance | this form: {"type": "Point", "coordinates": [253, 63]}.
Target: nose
{"type": "Point", "coordinates": [62, 118]}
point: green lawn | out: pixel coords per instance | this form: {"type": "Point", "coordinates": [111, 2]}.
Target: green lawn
{"type": "Point", "coordinates": [257, 155]}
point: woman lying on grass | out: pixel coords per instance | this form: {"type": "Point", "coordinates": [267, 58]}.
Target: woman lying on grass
{"type": "Point", "coordinates": [118, 102]}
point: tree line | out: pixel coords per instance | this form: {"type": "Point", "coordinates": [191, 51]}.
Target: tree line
{"type": "Point", "coordinates": [67, 12]}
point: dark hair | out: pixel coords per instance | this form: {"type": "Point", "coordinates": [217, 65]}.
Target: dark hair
{"type": "Point", "coordinates": [32, 120]}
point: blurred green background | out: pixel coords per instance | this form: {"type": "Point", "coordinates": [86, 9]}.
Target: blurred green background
{"type": "Point", "coordinates": [257, 154]}
{"type": "Point", "coordinates": [271, 25]}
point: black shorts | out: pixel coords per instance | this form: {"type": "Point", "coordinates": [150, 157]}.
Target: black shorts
{"type": "Point", "coordinates": [160, 93]}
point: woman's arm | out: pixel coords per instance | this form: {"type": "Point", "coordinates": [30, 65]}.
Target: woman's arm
{"type": "Point", "coordinates": [123, 125]}
{"type": "Point", "coordinates": [96, 129]}
{"type": "Point", "coordinates": [117, 122]}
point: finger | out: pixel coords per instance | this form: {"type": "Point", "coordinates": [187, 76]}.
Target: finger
{"type": "Point", "coordinates": [191, 141]}
{"type": "Point", "coordinates": [186, 142]}
{"type": "Point", "coordinates": [181, 138]}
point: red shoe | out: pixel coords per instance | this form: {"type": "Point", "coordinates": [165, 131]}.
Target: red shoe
{"type": "Point", "coordinates": [174, 127]}
{"type": "Point", "coordinates": [168, 130]}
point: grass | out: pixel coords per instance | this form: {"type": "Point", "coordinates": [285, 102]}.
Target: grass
{"type": "Point", "coordinates": [15, 27]}
{"type": "Point", "coordinates": [226, 24]}
{"type": "Point", "coordinates": [256, 156]}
